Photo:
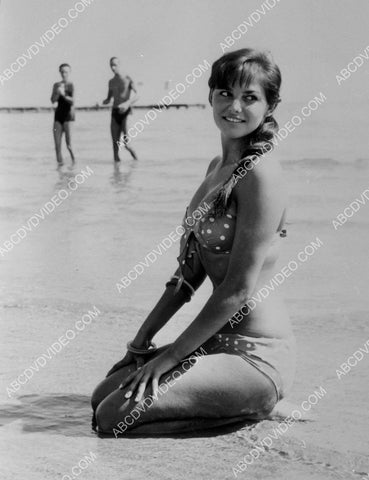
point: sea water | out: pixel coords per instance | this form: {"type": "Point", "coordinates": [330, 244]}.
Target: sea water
{"type": "Point", "coordinates": [72, 261]}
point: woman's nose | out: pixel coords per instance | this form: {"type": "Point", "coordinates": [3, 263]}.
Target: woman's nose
{"type": "Point", "coordinates": [236, 105]}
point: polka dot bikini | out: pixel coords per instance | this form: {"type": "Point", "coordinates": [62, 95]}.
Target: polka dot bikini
{"type": "Point", "coordinates": [255, 351]}
{"type": "Point", "coordinates": [217, 234]}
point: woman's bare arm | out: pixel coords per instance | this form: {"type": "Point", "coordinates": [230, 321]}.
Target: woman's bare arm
{"type": "Point", "coordinates": [170, 302]}
{"type": "Point", "coordinates": [260, 203]}
{"type": "Point", "coordinates": [167, 306]}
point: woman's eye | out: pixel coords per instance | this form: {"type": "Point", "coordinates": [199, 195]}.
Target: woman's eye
{"type": "Point", "coordinates": [250, 98]}
{"type": "Point", "coordinates": [224, 93]}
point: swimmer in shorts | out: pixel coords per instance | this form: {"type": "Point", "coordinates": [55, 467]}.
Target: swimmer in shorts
{"type": "Point", "coordinates": [63, 94]}
{"type": "Point", "coordinates": [120, 89]}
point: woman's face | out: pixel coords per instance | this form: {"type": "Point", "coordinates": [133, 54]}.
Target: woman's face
{"type": "Point", "coordinates": [238, 111]}
{"type": "Point", "coordinates": [64, 72]}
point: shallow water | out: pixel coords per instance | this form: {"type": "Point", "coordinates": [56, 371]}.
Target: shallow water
{"type": "Point", "coordinates": [74, 258]}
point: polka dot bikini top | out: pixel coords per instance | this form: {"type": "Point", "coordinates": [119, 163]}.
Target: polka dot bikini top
{"type": "Point", "coordinates": [213, 233]}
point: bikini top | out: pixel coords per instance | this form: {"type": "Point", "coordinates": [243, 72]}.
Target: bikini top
{"type": "Point", "coordinates": [213, 233]}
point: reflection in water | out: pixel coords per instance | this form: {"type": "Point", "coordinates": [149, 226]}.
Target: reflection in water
{"type": "Point", "coordinates": [64, 177]}
{"type": "Point", "coordinates": [69, 415]}
{"type": "Point", "coordinates": [121, 179]}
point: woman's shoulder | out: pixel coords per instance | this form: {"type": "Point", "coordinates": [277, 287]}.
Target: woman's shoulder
{"type": "Point", "coordinates": [263, 168]}
{"type": "Point", "coordinates": [213, 164]}
{"type": "Point", "coordinates": [261, 174]}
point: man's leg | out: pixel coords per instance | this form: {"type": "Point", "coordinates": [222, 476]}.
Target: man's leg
{"type": "Point", "coordinates": [115, 129]}
{"type": "Point", "coordinates": [58, 132]}
{"type": "Point", "coordinates": [125, 138]}
{"type": "Point", "coordinates": [68, 139]}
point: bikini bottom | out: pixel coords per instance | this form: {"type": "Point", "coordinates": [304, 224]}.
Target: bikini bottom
{"type": "Point", "coordinates": [273, 357]}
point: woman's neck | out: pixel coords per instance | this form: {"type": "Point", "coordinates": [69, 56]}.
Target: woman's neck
{"type": "Point", "coordinates": [232, 150]}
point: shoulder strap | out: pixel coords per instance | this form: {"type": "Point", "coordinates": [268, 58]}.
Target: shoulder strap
{"type": "Point", "coordinates": [221, 200]}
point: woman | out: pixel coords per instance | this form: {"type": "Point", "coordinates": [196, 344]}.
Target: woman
{"type": "Point", "coordinates": [249, 362]}
{"type": "Point", "coordinates": [63, 93]}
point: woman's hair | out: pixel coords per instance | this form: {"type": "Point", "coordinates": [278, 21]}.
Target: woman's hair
{"type": "Point", "coordinates": [64, 65]}
{"type": "Point", "coordinates": [244, 67]}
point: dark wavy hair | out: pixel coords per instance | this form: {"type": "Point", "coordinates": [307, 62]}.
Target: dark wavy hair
{"type": "Point", "coordinates": [245, 66]}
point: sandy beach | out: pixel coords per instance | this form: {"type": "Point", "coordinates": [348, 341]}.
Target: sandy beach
{"type": "Point", "coordinates": [72, 261]}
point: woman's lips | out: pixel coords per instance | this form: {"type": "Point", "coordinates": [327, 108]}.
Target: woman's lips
{"type": "Point", "coordinates": [233, 119]}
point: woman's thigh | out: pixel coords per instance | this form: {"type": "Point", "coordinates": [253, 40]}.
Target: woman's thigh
{"type": "Point", "coordinates": [217, 386]}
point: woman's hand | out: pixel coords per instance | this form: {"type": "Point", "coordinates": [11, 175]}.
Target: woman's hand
{"type": "Point", "coordinates": [150, 372]}
{"type": "Point", "coordinates": [127, 360]}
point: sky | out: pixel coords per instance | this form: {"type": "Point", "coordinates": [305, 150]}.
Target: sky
{"type": "Point", "coordinates": [162, 40]}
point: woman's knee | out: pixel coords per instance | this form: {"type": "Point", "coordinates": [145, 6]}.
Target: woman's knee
{"type": "Point", "coordinates": [102, 391]}
{"type": "Point", "coordinates": [109, 384]}
{"type": "Point", "coordinates": [111, 415]}
{"type": "Point", "coordinates": [103, 418]}
{"type": "Point", "coordinates": [98, 395]}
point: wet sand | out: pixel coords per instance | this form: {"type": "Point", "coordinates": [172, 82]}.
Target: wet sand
{"type": "Point", "coordinates": [74, 259]}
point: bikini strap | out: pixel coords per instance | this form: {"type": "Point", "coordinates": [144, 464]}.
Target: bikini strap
{"type": "Point", "coordinates": [221, 201]}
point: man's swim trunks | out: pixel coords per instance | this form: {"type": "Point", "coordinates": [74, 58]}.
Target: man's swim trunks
{"type": "Point", "coordinates": [118, 116]}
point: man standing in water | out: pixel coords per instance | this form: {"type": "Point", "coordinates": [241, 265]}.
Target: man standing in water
{"type": "Point", "coordinates": [120, 89]}
{"type": "Point", "coordinates": [63, 93]}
